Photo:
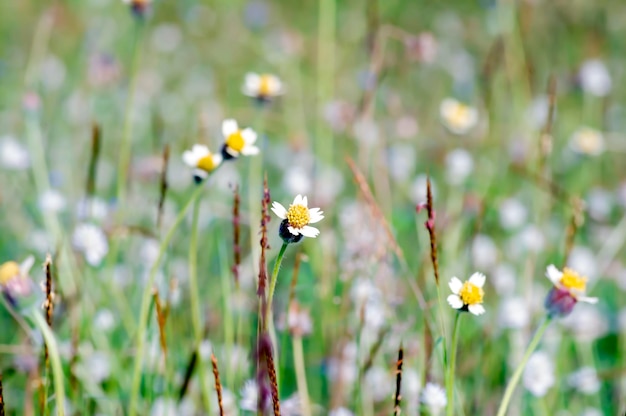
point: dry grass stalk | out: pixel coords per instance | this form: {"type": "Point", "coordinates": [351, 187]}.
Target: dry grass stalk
{"type": "Point", "coordinates": [1, 397]}
{"type": "Point", "coordinates": [218, 384]}
{"type": "Point", "coordinates": [372, 352]}
{"type": "Point", "coordinates": [265, 219]}
{"type": "Point", "coordinates": [271, 372]}
{"type": "Point", "coordinates": [236, 235]}
{"type": "Point", "coordinates": [48, 306]}
{"type": "Point", "coordinates": [161, 319]}
{"type": "Point", "coordinates": [430, 225]}
{"type": "Point", "coordinates": [164, 185]}
{"type": "Point", "coordinates": [373, 206]}
{"type": "Point", "coordinates": [397, 397]}
{"type": "Point", "coordinates": [90, 187]}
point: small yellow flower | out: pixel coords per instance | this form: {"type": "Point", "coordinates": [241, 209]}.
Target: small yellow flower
{"type": "Point", "coordinates": [237, 141]}
{"type": "Point", "coordinates": [202, 161]}
{"type": "Point", "coordinates": [296, 219]}
{"type": "Point", "coordinates": [263, 87]}
{"type": "Point", "coordinates": [457, 117]}
{"type": "Point", "coordinates": [587, 141]}
{"type": "Point", "coordinates": [468, 296]}
{"type": "Point", "coordinates": [570, 281]}
{"type": "Point", "coordinates": [11, 269]}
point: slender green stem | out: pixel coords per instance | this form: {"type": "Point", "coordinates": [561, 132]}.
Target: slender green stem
{"type": "Point", "coordinates": [125, 145]}
{"type": "Point", "coordinates": [298, 361]}
{"type": "Point", "coordinates": [194, 296]}
{"type": "Point", "coordinates": [510, 388]}
{"type": "Point", "coordinates": [55, 360]}
{"type": "Point", "coordinates": [145, 302]}
{"type": "Point", "coordinates": [452, 364]}
{"type": "Point", "coordinates": [274, 279]}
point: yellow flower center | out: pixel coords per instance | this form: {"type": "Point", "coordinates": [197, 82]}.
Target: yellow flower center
{"type": "Point", "coordinates": [298, 216]}
{"type": "Point", "coordinates": [235, 141]}
{"type": "Point", "coordinates": [207, 163]}
{"type": "Point", "coordinates": [589, 141]}
{"type": "Point", "coordinates": [265, 87]}
{"type": "Point", "coordinates": [8, 270]}
{"type": "Point", "coordinates": [460, 114]}
{"type": "Point", "coordinates": [572, 280]}
{"type": "Point", "coordinates": [471, 294]}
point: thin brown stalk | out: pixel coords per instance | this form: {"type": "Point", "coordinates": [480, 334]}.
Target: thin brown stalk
{"type": "Point", "coordinates": [218, 384]}
{"type": "Point", "coordinates": [397, 397]}
{"type": "Point", "coordinates": [164, 185]}
{"type": "Point", "coordinates": [430, 225]}
{"type": "Point", "coordinates": [236, 234]}
{"type": "Point", "coordinates": [160, 316]}
{"type": "Point", "coordinates": [576, 221]}
{"type": "Point", "coordinates": [1, 397]}
{"type": "Point", "coordinates": [271, 372]}
{"type": "Point", "coordinates": [90, 187]}
{"type": "Point", "coordinates": [541, 182]}
{"type": "Point", "coordinates": [373, 206]}
{"type": "Point", "coordinates": [265, 219]}
{"type": "Point", "coordinates": [48, 306]}
{"type": "Point", "coordinates": [373, 351]}
{"type": "Point", "coordinates": [74, 352]}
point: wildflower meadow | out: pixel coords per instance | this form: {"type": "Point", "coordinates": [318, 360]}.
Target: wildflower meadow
{"type": "Point", "coordinates": [258, 207]}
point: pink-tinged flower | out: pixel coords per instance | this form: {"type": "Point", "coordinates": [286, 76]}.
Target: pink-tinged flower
{"type": "Point", "coordinates": [468, 296]}
{"type": "Point", "coordinates": [296, 220]}
{"type": "Point", "coordinates": [569, 288]}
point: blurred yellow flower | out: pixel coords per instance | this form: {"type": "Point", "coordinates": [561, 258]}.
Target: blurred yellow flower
{"type": "Point", "coordinates": [263, 87]}
{"type": "Point", "coordinates": [457, 117]}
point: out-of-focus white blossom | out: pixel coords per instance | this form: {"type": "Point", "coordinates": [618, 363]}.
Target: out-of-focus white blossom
{"type": "Point", "coordinates": [90, 240]}
{"type": "Point", "coordinates": [538, 375]}
{"type": "Point", "coordinates": [585, 380]}
{"type": "Point", "coordinates": [459, 165]}
{"type": "Point", "coordinates": [434, 398]}
{"type": "Point", "coordinates": [513, 213]}
{"type": "Point", "coordinates": [13, 154]}
{"type": "Point", "coordinates": [594, 78]}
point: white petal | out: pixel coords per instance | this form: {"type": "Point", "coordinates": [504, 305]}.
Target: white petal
{"type": "Point", "coordinates": [554, 274]}
{"type": "Point", "coordinates": [26, 265]}
{"type": "Point", "coordinates": [190, 159]}
{"type": "Point", "coordinates": [200, 150]}
{"type": "Point", "coordinates": [297, 200]}
{"type": "Point", "coordinates": [250, 151]}
{"type": "Point", "coordinates": [252, 82]}
{"type": "Point", "coordinates": [217, 159]}
{"type": "Point", "coordinates": [587, 299]}
{"type": "Point", "coordinates": [477, 279]}
{"type": "Point", "coordinates": [315, 215]}
{"type": "Point", "coordinates": [455, 285]}
{"type": "Point", "coordinates": [455, 301]}
{"type": "Point", "coordinates": [305, 202]}
{"type": "Point", "coordinates": [249, 135]}
{"type": "Point", "coordinates": [200, 173]}
{"type": "Point", "coordinates": [229, 126]}
{"type": "Point", "coordinates": [279, 210]}
{"type": "Point", "coordinates": [476, 309]}
{"type": "Point", "coordinates": [293, 231]}
{"type": "Point", "coordinates": [309, 231]}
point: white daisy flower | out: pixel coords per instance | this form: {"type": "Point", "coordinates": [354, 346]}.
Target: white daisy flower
{"type": "Point", "coordinates": [249, 396]}
{"type": "Point", "coordinates": [434, 398]}
{"type": "Point", "coordinates": [457, 117]}
{"type": "Point", "coordinates": [595, 78]}
{"type": "Point", "coordinates": [13, 154]}
{"type": "Point", "coordinates": [297, 218]}
{"type": "Point", "coordinates": [263, 87]}
{"type": "Point", "coordinates": [587, 141]}
{"type": "Point", "coordinates": [570, 281]}
{"type": "Point", "coordinates": [468, 296]}
{"type": "Point", "coordinates": [237, 141]}
{"type": "Point", "coordinates": [202, 161]}
{"type": "Point", "coordinates": [90, 240]}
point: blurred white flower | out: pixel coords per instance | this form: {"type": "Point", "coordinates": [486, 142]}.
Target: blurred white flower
{"type": "Point", "coordinates": [52, 201]}
{"type": "Point", "coordinates": [52, 73]}
{"type": "Point", "coordinates": [531, 238]}
{"type": "Point", "coordinates": [583, 260]}
{"type": "Point", "coordinates": [587, 141]}
{"type": "Point", "coordinates": [92, 208]}
{"type": "Point", "coordinates": [340, 411]}
{"type": "Point", "coordinates": [378, 384]}
{"type": "Point", "coordinates": [13, 155]}
{"type": "Point", "coordinates": [364, 291]}
{"type": "Point", "coordinates": [104, 320]}
{"type": "Point", "coordinates": [591, 411]}
{"type": "Point", "coordinates": [297, 180]}
{"type": "Point", "coordinates": [411, 387]}
{"type": "Point", "coordinates": [401, 161]}
{"type": "Point", "coordinates": [599, 204]}
{"type": "Point", "coordinates": [503, 279]}
{"type": "Point", "coordinates": [343, 368]}
{"type": "Point", "coordinates": [513, 213]}
{"type": "Point", "coordinates": [229, 404]}
{"type": "Point", "coordinates": [205, 349]}
{"type": "Point", "coordinates": [163, 406]}
{"type": "Point", "coordinates": [339, 115]}
{"type": "Point", "coordinates": [594, 78]}
{"type": "Point", "coordinates": [291, 406]}
{"type": "Point", "coordinates": [538, 375]}
{"type": "Point", "coordinates": [298, 320]}
{"type": "Point", "coordinates": [406, 127]}
{"type": "Point", "coordinates": [262, 86]}
{"type": "Point", "coordinates": [537, 113]}
{"type": "Point", "coordinates": [585, 380]}
{"type": "Point", "coordinates": [249, 396]}
{"type": "Point", "coordinates": [96, 367]}
{"type": "Point", "coordinates": [166, 38]}
{"type": "Point", "coordinates": [484, 252]}
{"type": "Point", "coordinates": [459, 165]}
{"type": "Point", "coordinates": [90, 240]}
{"type": "Point", "coordinates": [434, 398]}
{"type": "Point", "coordinates": [149, 252]}
{"type": "Point", "coordinates": [366, 131]}
{"type": "Point", "coordinates": [457, 117]}
{"type": "Point", "coordinates": [418, 189]}
{"type": "Point", "coordinates": [586, 322]}
{"type": "Point", "coordinates": [421, 48]}
{"type": "Point", "coordinates": [514, 313]}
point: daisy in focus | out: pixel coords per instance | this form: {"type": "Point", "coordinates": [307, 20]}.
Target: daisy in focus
{"type": "Point", "coordinates": [468, 296]}
{"type": "Point", "coordinates": [457, 117]}
{"type": "Point", "coordinates": [296, 220]}
{"type": "Point", "coordinates": [202, 161]}
{"type": "Point", "coordinates": [236, 141]}
{"type": "Point", "coordinates": [587, 141]}
{"type": "Point", "coordinates": [263, 87]}
{"type": "Point", "coordinates": [569, 288]}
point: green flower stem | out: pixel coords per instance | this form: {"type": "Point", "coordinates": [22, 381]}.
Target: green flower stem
{"type": "Point", "coordinates": [146, 299]}
{"type": "Point", "coordinates": [55, 360]}
{"type": "Point", "coordinates": [273, 281]}
{"type": "Point", "coordinates": [194, 296]}
{"type": "Point", "coordinates": [510, 388]}
{"type": "Point", "coordinates": [452, 364]}
{"type": "Point", "coordinates": [298, 361]}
